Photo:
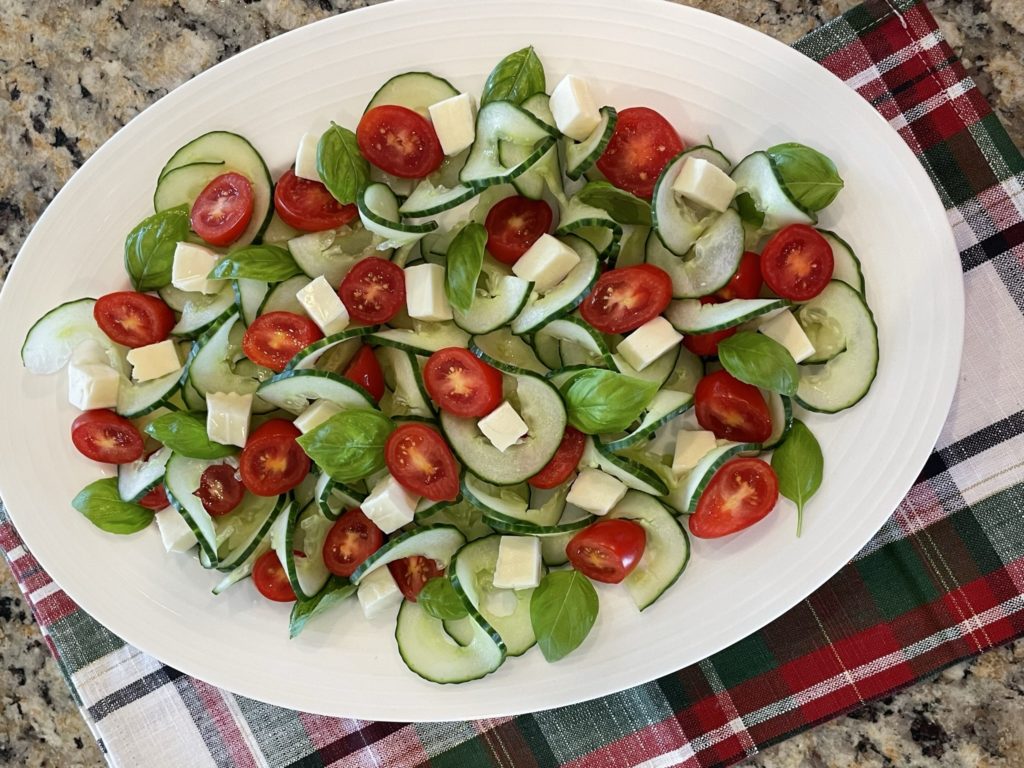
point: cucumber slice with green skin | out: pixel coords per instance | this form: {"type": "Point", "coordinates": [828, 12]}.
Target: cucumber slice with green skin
{"type": "Point", "coordinates": [429, 651]}
{"type": "Point", "coordinates": [413, 90]}
{"type": "Point", "coordinates": [548, 351]}
{"type": "Point", "coordinates": [249, 297]}
{"type": "Point", "coordinates": [181, 480]}
{"type": "Point", "coordinates": [843, 381]}
{"type": "Point", "coordinates": [200, 312]}
{"type": "Point", "coordinates": [427, 339]}
{"type": "Point", "coordinates": [665, 406]}
{"type": "Point", "coordinates": [634, 474]}
{"type": "Point", "coordinates": [507, 352]}
{"type": "Point", "coordinates": [333, 252]}
{"type": "Point", "coordinates": [210, 368]}
{"type": "Point", "coordinates": [846, 264]}
{"type": "Point", "coordinates": [552, 549]}
{"type": "Point", "coordinates": [691, 317]}
{"type": "Point", "coordinates": [293, 391]}
{"type": "Point", "coordinates": [428, 508]}
{"type": "Point", "coordinates": [632, 245]}
{"type": "Point", "coordinates": [281, 297]}
{"type": "Point", "coordinates": [305, 492]}
{"type": "Point", "coordinates": [678, 222]}
{"type": "Point", "coordinates": [53, 337]}
{"type": "Point", "coordinates": [497, 122]}
{"type": "Point", "coordinates": [687, 493]}
{"type": "Point", "coordinates": [463, 515]}
{"type": "Point", "coordinates": [546, 172]}
{"type": "Point", "coordinates": [428, 199]}
{"type": "Point", "coordinates": [711, 263]}
{"type": "Point", "coordinates": [780, 407]}
{"type": "Point", "coordinates": [140, 477]}
{"type": "Point", "coordinates": [244, 569]}
{"type": "Point", "coordinates": [576, 356]}
{"type": "Point", "coordinates": [175, 298]}
{"type": "Point", "coordinates": [757, 177]}
{"type": "Point", "coordinates": [308, 357]}
{"type": "Point", "coordinates": [138, 398]}
{"type": "Point", "coordinates": [400, 375]}
{"type": "Point", "coordinates": [378, 210]}
{"type": "Point", "coordinates": [578, 332]}
{"type": "Point", "coordinates": [302, 531]}
{"type": "Point", "coordinates": [592, 224]}
{"type": "Point", "coordinates": [571, 522]}
{"type": "Point", "coordinates": [563, 298]}
{"type": "Point", "coordinates": [511, 501]}
{"type": "Point", "coordinates": [658, 372]}
{"type": "Point", "coordinates": [278, 232]}
{"type": "Point", "coordinates": [438, 542]}
{"type": "Point", "coordinates": [581, 156]}
{"type": "Point", "coordinates": [190, 395]}
{"type": "Point", "coordinates": [688, 371]}
{"type": "Point", "coordinates": [500, 297]}
{"type": "Point", "coordinates": [825, 334]}
{"type": "Point", "coordinates": [562, 376]}
{"type": "Point", "coordinates": [334, 498]}
{"type": "Point", "coordinates": [243, 529]}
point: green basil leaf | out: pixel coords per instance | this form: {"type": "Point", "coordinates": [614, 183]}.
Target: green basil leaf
{"type": "Point", "coordinates": [748, 211]}
{"type": "Point", "coordinates": [465, 260]}
{"type": "Point", "coordinates": [563, 610]}
{"type": "Point", "coordinates": [340, 165]}
{"type": "Point", "coordinates": [102, 505]}
{"type": "Point", "coordinates": [186, 434]}
{"type": "Point", "coordinates": [516, 78]}
{"type": "Point", "coordinates": [439, 598]}
{"type": "Point", "coordinates": [810, 177]}
{"type": "Point", "coordinates": [600, 401]}
{"type": "Point", "coordinates": [349, 446]}
{"type": "Point", "coordinates": [621, 205]}
{"type": "Point", "coordinates": [334, 591]}
{"type": "Point", "coordinates": [799, 465]}
{"type": "Point", "coordinates": [270, 263]}
{"type": "Point", "coordinates": [755, 359]}
{"type": "Point", "coordinates": [149, 248]}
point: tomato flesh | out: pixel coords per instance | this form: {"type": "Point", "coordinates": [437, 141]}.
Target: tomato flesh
{"type": "Point", "coordinates": [797, 263]}
{"type": "Point", "coordinates": [514, 224]}
{"type": "Point", "coordinates": [411, 573]}
{"type": "Point", "coordinates": [351, 540]}
{"type": "Point", "coordinates": [133, 319]}
{"type": "Point", "coordinates": [223, 209]}
{"type": "Point", "coordinates": [308, 205]}
{"type": "Point", "coordinates": [420, 459]}
{"type": "Point", "coordinates": [104, 436]}
{"type": "Point", "coordinates": [641, 146]}
{"type": "Point", "coordinates": [270, 579]}
{"type": "Point", "coordinates": [461, 383]}
{"type": "Point", "coordinates": [706, 344]}
{"type": "Point", "coordinates": [607, 551]}
{"type": "Point", "coordinates": [155, 500]}
{"type": "Point", "coordinates": [274, 338]}
{"type": "Point", "coordinates": [564, 462]}
{"type": "Point", "coordinates": [365, 371]}
{"type": "Point", "coordinates": [399, 141]}
{"type": "Point", "coordinates": [742, 492]}
{"type": "Point", "coordinates": [732, 409]}
{"type": "Point", "coordinates": [272, 462]}
{"type": "Point", "coordinates": [220, 490]}
{"type": "Point", "coordinates": [373, 290]}
{"type": "Point", "coordinates": [746, 283]}
{"type": "Point", "coordinates": [624, 299]}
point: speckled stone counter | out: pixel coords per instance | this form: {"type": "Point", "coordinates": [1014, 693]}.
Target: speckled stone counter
{"type": "Point", "coordinates": [72, 73]}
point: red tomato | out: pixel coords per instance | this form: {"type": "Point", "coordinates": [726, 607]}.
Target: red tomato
{"type": "Point", "coordinates": [706, 344]}
{"type": "Point", "coordinates": [746, 283]}
{"type": "Point", "coordinates": [412, 573]}
{"type": "Point", "coordinates": [514, 224]}
{"type": "Point", "coordinates": [399, 141]}
{"type": "Point", "coordinates": [624, 299]}
{"type": "Point", "coordinates": [365, 371]}
{"type": "Point", "coordinates": [220, 490]}
{"type": "Point", "coordinates": [732, 409]}
{"type": "Point", "coordinates": [373, 290]}
{"type": "Point", "coordinates": [272, 462]}
{"type": "Point", "coordinates": [223, 209]}
{"type": "Point", "coordinates": [608, 550]}
{"type": "Point", "coordinates": [155, 499]}
{"type": "Point", "coordinates": [308, 205]}
{"type": "Point", "coordinates": [274, 338]}
{"type": "Point", "coordinates": [270, 579]}
{"type": "Point", "coordinates": [461, 383]}
{"type": "Point", "coordinates": [351, 540]}
{"type": "Point", "coordinates": [133, 319]}
{"type": "Point", "coordinates": [641, 146]}
{"type": "Point", "coordinates": [564, 462]}
{"type": "Point", "coordinates": [742, 492]}
{"type": "Point", "coordinates": [420, 459]}
{"type": "Point", "coordinates": [105, 436]}
{"type": "Point", "coordinates": [274, 428]}
{"type": "Point", "coordinates": [797, 262]}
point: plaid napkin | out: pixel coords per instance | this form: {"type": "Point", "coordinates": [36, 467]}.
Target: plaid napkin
{"type": "Point", "coordinates": [942, 580]}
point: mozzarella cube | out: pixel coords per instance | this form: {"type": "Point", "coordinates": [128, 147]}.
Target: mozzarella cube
{"type": "Point", "coordinates": [503, 426]}
{"type": "Point", "coordinates": [649, 342]}
{"type": "Point", "coordinates": [305, 157]}
{"type": "Point", "coordinates": [227, 417]}
{"type": "Point", "coordinates": [574, 109]}
{"type": "Point", "coordinates": [378, 593]}
{"type": "Point", "coordinates": [175, 533]}
{"type": "Point", "coordinates": [154, 360]}
{"type": "Point", "coordinates": [595, 491]}
{"type": "Point", "coordinates": [785, 329]}
{"type": "Point", "coordinates": [519, 563]}
{"type": "Point", "coordinates": [92, 385]}
{"type": "Point", "coordinates": [454, 123]}
{"type": "Point", "coordinates": [705, 184]}
{"type": "Point", "coordinates": [691, 447]}
{"type": "Point", "coordinates": [190, 268]}
{"type": "Point", "coordinates": [546, 263]}
{"type": "Point", "coordinates": [425, 296]}
{"type": "Point", "coordinates": [324, 306]}
{"type": "Point", "coordinates": [389, 505]}
{"type": "Point", "coordinates": [315, 415]}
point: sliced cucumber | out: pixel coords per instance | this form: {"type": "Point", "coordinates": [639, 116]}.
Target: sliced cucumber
{"type": "Point", "coordinates": [378, 210]}
{"type": "Point", "coordinates": [463, 515]}
{"type": "Point", "coordinates": [572, 521]}
{"type": "Point", "coordinates": [333, 252]}
{"type": "Point", "coordinates": [630, 471]}
{"type": "Point", "coordinates": [210, 367]}
{"type": "Point", "coordinates": [678, 222]}
{"type": "Point", "coordinates": [711, 263]}
{"type": "Point", "coordinates": [594, 225]}
{"type": "Point", "coordinates": [438, 542]}
{"type": "Point", "coordinates": [632, 246]}
{"type": "Point", "coordinates": [658, 372]}
{"type": "Point", "coordinates": [138, 478]}
{"type": "Point", "coordinates": [684, 497]}
{"type": "Point", "coordinates": [413, 90]}
{"type": "Point", "coordinates": [428, 199]}
{"type": "Point", "coordinates": [181, 480]}
{"type": "Point", "coordinates": [689, 370]}
{"type": "Point", "coordinates": [51, 340]}
{"type": "Point", "coordinates": [401, 375]}
{"type": "Point", "coordinates": [138, 398]}
{"type": "Point", "coordinates": [242, 530]}
{"type": "Point", "coordinates": [499, 298]}
{"type": "Point", "coordinates": [311, 357]}
{"type": "Point", "coordinates": [249, 297]}
{"type": "Point", "coordinates": [429, 651]}
{"type": "Point", "coordinates": [757, 177]}
{"type": "Point", "coordinates": [278, 232]}
{"type": "Point", "coordinates": [846, 264]}
{"type": "Point", "coordinates": [200, 312]}
{"type": "Point", "coordinates": [564, 297]}
{"type": "Point", "coordinates": [282, 297]}
{"type": "Point", "coordinates": [581, 156]}
{"type": "Point", "coordinates": [781, 409]}
{"type": "Point", "coordinates": [511, 501]}
{"type": "Point", "coordinates": [824, 332]}
{"type": "Point", "coordinates": [334, 498]}
{"type": "Point", "coordinates": [293, 391]}
{"type": "Point", "coordinates": [507, 352]}
{"type": "Point", "coordinates": [666, 405]}
{"type": "Point", "coordinates": [690, 316]}
{"type": "Point", "coordinates": [425, 339]}
{"type": "Point", "coordinates": [577, 332]}
{"type": "Point", "coordinates": [552, 549]}
{"type": "Point", "coordinates": [497, 122]}
{"type": "Point", "coordinates": [244, 569]}
{"type": "Point", "coordinates": [302, 531]}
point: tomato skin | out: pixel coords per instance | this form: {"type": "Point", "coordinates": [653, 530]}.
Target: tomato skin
{"type": "Point", "coordinates": [461, 383]}
{"type": "Point", "coordinates": [607, 551]}
{"type": "Point", "coordinates": [742, 492]}
{"type": "Point", "coordinates": [270, 579]}
{"type": "Point", "coordinates": [308, 205]}
{"type": "Point", "coordinates": [514, 224]}
{"type": "Point", "coordinates": [104, 436]}
{"type": "Point", "coordinates": [155, 499]}
{"type": "Point", "coordinates": [420, 459]}
{"type": "Point", "coordinates": [623, 299]}
{"type": "Point", "coordinates": [641, 146]}
{"type": "Point", "coordinates": [797, 262]}
{"type": "Point", "coordinates": [272, 462]}
{"type": "Point", "coordinates": [412, 573]}
{"type": "Point", "coordinates": [351, 540]}
{"type": "Point", "coordinates": [223, 209]}
{"type": "Point", "coordinates": [219, 489]}
{"type": "Point", "coordinates": [373, 291]}
{"type": "Point", "coordinates": [564, 462]}
{"type": "Point", "coordinates": [399, 141]}
{"type": "Point", "coordinates": [365, 371]}
{"type": "Point", "coordinates": [274, 338]}
{"type": "Point", "coordinates": [133, 319]}
{"type": "Point", "coordinates": [746, 283]}
{"type": "Point", "coordinates": [732, 409]}
{"type": "Point", "coordinates": [274, 428]}
{"type": "Point", "coordinates": [706, 344]}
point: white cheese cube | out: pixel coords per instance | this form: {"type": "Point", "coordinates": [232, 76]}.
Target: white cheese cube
{"type": "Point", "coordinates": [519, 563]}
{"type": "Point", "coordinates": [227, 417]}
{"type": "Point", "coordinates": [454, 123]}
{"type": "Point", "coordinates": [649, 342]}
{"type": "Point", "coordinates": [785, 329]}
{"type": "Point", "coordinates": [154, 360]}
{"type": "Point", "coordinates": [503, 426]}
{"type": "Point", "coordinates": [546, 263]}
{"type": "Point", "coordinates": [305, 157]}
{"type": "Point", "coordinates": [705, 184]}
{"type": "Point", "coordinates": [191, 265]}
{"type": "Point", "coordinates": [92, 385]}
{"type": "Point", "coordinates": [389, 505]}
{"type": "Point", "coordinates": [175, 533]}
{"type": "Point", "coordinates": [595, 491]}
{"type": "Point", "coordinates": [378, 593]}
{"type": "Point", "coordinates": [315, 415]}
{"type": "Point", "coordinates": [691, 447]}
{"type": "Point", "coordinates": [574, 109]}
{"type": "Point", "coordinates": [425, 296]}
{"type": "Point", "coordinates": [324, 306]}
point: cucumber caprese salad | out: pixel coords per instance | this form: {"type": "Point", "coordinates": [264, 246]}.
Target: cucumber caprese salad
{"type": "Point", "coordinates": [466, 360]}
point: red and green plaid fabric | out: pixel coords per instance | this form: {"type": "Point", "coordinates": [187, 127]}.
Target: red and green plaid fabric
{"type": "Point", "coordinates": [943, 580]}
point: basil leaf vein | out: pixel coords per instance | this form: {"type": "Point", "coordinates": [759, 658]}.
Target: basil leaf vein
{"type": "Point", "coordinates": [349, 446]}
{"type": "Point", "coordinates": [103, 506]}
{"type": "Point", "coordinates": [340, 165]}
{"type": "Point", "coordinates": [465, 260]}
{"type": "Point", "coordinates": [810, 177]}
{"type": "Point", "coordinates": [799, 465]}
{"type": "Point", "coordinates": [270, 263]}
{"type": "Point", "coordinates": [755, 359]}
{"type": "Point", "coordinates": [563, 610]}
{"type": "Point", "coordinates": [186, 434]}
{"type": "Point", "coordinates": [516, 78]}
{"type": "Point", "coordinates": [601, 401]}
{"type": "Point", "coordinates": [149, 248]}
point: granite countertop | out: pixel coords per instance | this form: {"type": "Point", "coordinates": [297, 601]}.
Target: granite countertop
{"type": "Point", "coordinates": [72, 73]}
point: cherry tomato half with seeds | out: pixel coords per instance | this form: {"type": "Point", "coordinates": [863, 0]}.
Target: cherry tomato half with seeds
{"type": "Point", "coordinates": [732, 409]}
{"type": "Point", "coordinates": [308, 205]}
{"type": "Point", "coordinates": [220, 490]}
{"type": "Point", "coordinates": [742, 492]}
{"type": "Point", "coordinates": [274, 338]}
{"type": "Point", "coordinates": [399, 141]}
{"type": "Point", "coordinates": [746, 283]}
{"type": "Point", "coordinates": [642, 144]}
{"type": "Point", "coordinates": [514, 224]}
{"type": "Point", "coordinates": [270, 579]}
{"type": "Point", "coordinates": [351, 540]}
{"type": "Point", "coordinates": [365, 371]}
{"type": "Point", "coordinates": [133, 319]}
{"type": "Point", "coordinates": [223, 209]}
{"type": "Point", "coordinates": [608, 550]}
{"type": "Point", "coordinates": [797, 263]}
{"type": "Point", "coordinates": [155, 500]}
{"type": "Point", "coordinates": [420, 459]}
{"type": "Point", "coordinates": [104, 436]}
{"type": "Point", "coordinates": [413, 572]}
{"type": "Point", "coordinates": [272, 462]}
{"type": "Point", "coordinates": [461, 383]}
{"type": "Point", "coordinates": [373, 291]}
{"type": "Point", "coordinates": [564, 462]}
{"type": "Point", "coordinates": [623, 299]}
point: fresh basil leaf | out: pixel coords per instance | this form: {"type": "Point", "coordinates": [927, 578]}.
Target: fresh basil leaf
{"type": "Point", "coordinates": [810, 177]}
{"type": "Point", "coordinates": [102, 505]}
{"type": "Point", "coordinates": [340, 165]}
{"type": "Point", "coordinates": [149, 248]}
{"type": "Point", "coordinates": [620, 205]}
{"type": "Point", "coordinates": [334, 591]}
{"type": "Point", "coordinates": [270, 263]}
{"type": "Point", "coordinates": [516, 78]}
{"type": "Point", "coordinates": [799, 465]}
{"type": "Point", "coordinates": [349, 446]}
{"type": "Point", "coordinates": [756, 359]}
{"type": "Point", "coordinates": [748, 211]}
{"type": "Point", "coordinates": [439, 598]}
{"type": "Point", "coordinates": [186, 434]}
{"type": "Point", "coordinates": [563, 610]}
{"type": "Point", "coordinates": [601, 401]}
{"type": "Point", "coordinates": [465, 260]}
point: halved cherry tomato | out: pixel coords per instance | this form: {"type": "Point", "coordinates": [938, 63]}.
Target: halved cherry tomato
{"type": "Point", "coordinates": [461, 383]}
{"type": "Point", "coordinates": [641, 146]}
{"type": "Point", "coordinates": [223, 209]}
{"type": "Point", "coordinates": [797, 262]}
{"type": "Point", "coordinates": [412, 573]}
{"type": "Point", "coordinates": [732, 409]}
{"type": "Point", "coordinates": [220, 490]}
{"type": "Point", "coordinates": [746, 283]}
{"type": "Point", "coordinates": [274, 338]}
{"type": "Point", "coordinates": [564, 462]}
{"type": "Point", "coordinates": [706, 344]}
{"type": "Point", "coordinates": [308, 205]}
{"type": "Point", "coordinates": [624, 299]}
{"type": "Point", "coordinates": [272, 462]}
{"type": "Point", "coordinates": [742, 492]}
{"type": "Point", "coordinates": [351, 540]}
{"type": "Point", "coordinates": [514, 224]}
{"type": "Point", "coordinates": [133, 319]}
{"type": "Point", "coordinates": [105, 436]}
{"type": "Point", "coordinates": [155, 499]}
{"type": "Point", "coordinates": [608, 550]}
{"type": "Point", "coordinates": [420, 459]}
{"type": "Point", "coordinates": [399, 141]}
{"type": "Point", "coordinates": [373, 290]}
{"type": "Point", "coordinates": [365, 371]}
{"type": "Point", "coordinates": [274, 428]}
{"type": "Point", "coordinates": [270, 579]}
